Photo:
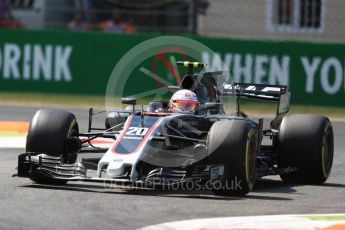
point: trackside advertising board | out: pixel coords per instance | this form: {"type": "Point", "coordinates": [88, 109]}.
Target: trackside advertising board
{"type": "Point", "coordinates": [81, 63]}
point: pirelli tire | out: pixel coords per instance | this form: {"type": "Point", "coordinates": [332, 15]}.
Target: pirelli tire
{"type": "Point", "coordinates": [234, 143]}
{"type": "Point", "coordinates": [305, 149]}
{"type": "Point", "coordinates": [53, 132]}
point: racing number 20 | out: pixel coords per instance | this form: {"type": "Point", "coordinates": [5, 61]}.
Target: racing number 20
{"type": "Point", "coordinates": [137, 131]}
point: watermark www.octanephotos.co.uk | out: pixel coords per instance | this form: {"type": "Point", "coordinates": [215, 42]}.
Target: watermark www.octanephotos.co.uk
{"type": "Point", "coordinates": [168, 185]}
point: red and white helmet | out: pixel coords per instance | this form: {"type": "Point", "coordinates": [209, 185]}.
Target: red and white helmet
{"type": "Point", "coordinates": [184, 101]}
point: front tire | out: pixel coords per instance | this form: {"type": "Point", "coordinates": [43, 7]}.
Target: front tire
{"type": "Point", "coordinates": [55, 133]}
{"type": "Point", "coordinates": [233, 142]}
{"type": "Point", "coordinates": [306, 144]}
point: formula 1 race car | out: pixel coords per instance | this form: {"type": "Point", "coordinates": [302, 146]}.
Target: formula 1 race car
{"type": "Point", "coordinates": [212, 148]}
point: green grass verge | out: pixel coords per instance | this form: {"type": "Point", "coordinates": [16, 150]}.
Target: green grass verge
{"type": "Point", "coordinates": [327, 218]}
{"type": "Point", "coordinates": [250, 107]}
{"type": "Point", "coordinates": [51, 99]}
{"type": "Point", "coordinates": [11, 134]}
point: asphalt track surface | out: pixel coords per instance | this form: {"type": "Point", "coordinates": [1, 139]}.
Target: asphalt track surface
{"type": "Point", "coordinates": [25, 205]}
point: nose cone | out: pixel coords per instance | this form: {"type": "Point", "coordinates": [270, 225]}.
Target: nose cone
{"type": "Point", "coordinates": [116, 168]}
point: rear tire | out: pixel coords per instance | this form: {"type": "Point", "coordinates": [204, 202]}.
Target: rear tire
{"type": "Point", "coordinates": [306, 144]}
{"type": "Point", "coordinates": [234, 143]}
{"type": "Point", "coordinates": [53, 132]}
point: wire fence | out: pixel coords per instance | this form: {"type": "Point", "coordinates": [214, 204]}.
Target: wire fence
{"type": "Point", "coordinates": [321, 20]}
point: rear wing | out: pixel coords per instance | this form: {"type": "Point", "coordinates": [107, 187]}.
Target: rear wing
{"type": "Point", "coordinates": [278, 93]}
{"type": "Point", "coordinates": [257, 91]}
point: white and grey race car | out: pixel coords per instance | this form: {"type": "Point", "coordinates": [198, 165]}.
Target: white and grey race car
{"type": "Point", "coordinates": [214, 148]}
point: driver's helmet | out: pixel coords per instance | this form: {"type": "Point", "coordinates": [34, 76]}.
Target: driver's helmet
{"type": "Point", "coordinates": [184, 101]}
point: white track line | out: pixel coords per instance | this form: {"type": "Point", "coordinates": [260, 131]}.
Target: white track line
{"type": "Point", "coordinates": [13, 142]}
{"type": "Point", "coordinates": [276, 222]}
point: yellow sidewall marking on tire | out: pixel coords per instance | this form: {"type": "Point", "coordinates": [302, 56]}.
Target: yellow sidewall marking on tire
{"type": "Point", "coordinates": [323, 159]}
{"type": "Point", "coordinates": [325, 173]}
{"type": "Point", "coordinates": [71, 127]}
{"type": "Point", "coordinates": [251, 132]}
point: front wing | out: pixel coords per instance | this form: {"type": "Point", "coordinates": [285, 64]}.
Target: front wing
{"type": "Point", "coordinates": [53, 169]}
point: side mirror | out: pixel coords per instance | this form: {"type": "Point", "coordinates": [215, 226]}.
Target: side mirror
{"type": "Point", "coordinates": [128, 101]}
{"type": "Point", "coordinates": [210, 105]}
